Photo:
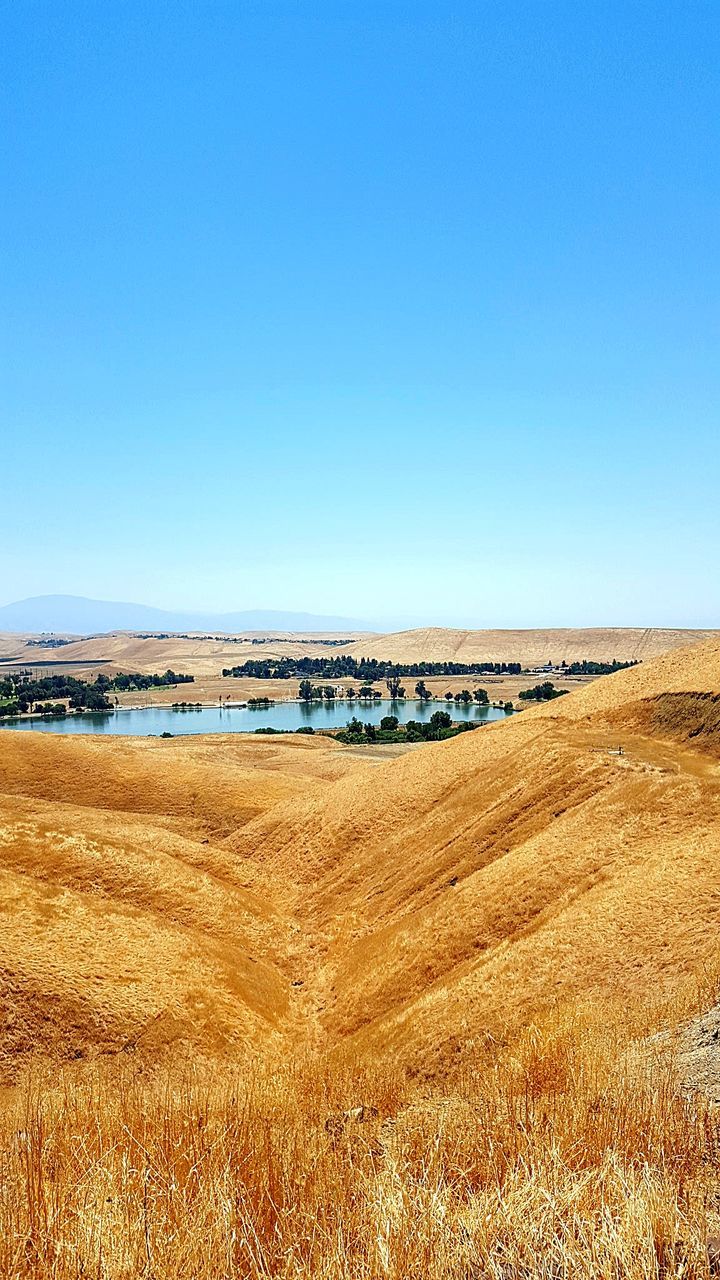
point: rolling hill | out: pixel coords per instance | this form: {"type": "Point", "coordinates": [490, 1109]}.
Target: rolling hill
{"type": "Point", "coordinates": [206, 657]}
{"type": "Point", "coordinates": [531, 647]}
{"type": "Point", "coordinates": [229, 894]}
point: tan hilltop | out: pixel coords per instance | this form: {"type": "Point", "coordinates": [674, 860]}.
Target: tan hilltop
{"type": "Point", "coordinates": [532, 647]}
{"type": "Point", "coordinates": [227, 893]}
{"type": "Point", "coordinates": [205, 657]}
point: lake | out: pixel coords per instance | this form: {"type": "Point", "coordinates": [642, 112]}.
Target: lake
{"type": "Point", "coordinates": [283, 715]}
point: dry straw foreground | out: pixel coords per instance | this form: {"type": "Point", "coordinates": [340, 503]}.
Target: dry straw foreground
{"type": "Point", "coordinates": [567, 1158]}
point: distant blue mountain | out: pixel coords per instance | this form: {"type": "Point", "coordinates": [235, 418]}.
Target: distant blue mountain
{"type": "Point", "coordinates": [78, 616]}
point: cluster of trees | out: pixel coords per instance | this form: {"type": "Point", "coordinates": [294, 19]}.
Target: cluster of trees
{"type": "Point", "coordinates": [309, 692]}
{"type": "Point", "coordinates": [27, 694]}
{"type": "Point", "coordinates": [439, 726]}
{"type": "Point", "coordinates": [128, 683]}
{"type": "Point", "coordinates": [544, 692]}
{"type": "Point", "coordinates": [587, 668]}
{"type": "Point", "coordinates": [344, 667]}
{"type": "Point", "coordinates": [305, 728]}
{"type": "Point", "coordinates": [47, 642]}
{"type": "Point", "coordinates": [260, 702]}
{"type": "Point", "coordinates": [465, 696]}
{"type": "Point", "coordinates": [21, 692]}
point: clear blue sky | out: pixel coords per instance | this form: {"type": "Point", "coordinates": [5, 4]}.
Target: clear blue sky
{"type": "Point", "coordinates": [397, 310]}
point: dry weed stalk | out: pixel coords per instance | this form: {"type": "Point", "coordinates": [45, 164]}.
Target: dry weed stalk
{"type": "Point", "coordinates": [568, 1156]}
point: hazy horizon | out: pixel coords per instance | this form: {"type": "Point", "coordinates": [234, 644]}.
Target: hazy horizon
{"type": "Point", "coordinates": [259, 618]}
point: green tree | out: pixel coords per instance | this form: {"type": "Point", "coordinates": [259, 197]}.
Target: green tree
{"type": "Point", "coordinates": [481, 697]}
{"type": "Point", "coordinates": [440, 720]}
{"type": "Point", "coordinates": [389, 722]}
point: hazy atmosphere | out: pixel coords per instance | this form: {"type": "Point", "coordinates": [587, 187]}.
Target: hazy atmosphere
{"type": "Point", "coordinates": [405, 314]}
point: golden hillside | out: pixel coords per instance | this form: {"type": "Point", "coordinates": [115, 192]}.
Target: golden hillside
{"type": "Point", "coordinates": [461, 890]}
{"type": "Point", "coordinates": [124, 922]}
{"type": "Point", "coordinates": [201, 657]}
{"type": "Point", "coordinates": [323, 1014]}
{"type": "Point", "coordinates": [231, 893]}
{"type": "Point", "coordinates": [531, 647]}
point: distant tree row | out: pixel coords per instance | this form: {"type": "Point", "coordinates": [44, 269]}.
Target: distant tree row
{"type": "Point", "coordinates": [226, 639]}
{"type": "Point", "coordinates": [588, 668]}
{"type": "Point", "coordinates": [47, 642]}
{"type": "Point", "coordinates": [126, 683]}
{"type": "Point", "coordinates": [344, 667]}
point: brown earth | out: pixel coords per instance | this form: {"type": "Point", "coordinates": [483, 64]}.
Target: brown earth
{"type": "Point", "coordinates": [236, 896]}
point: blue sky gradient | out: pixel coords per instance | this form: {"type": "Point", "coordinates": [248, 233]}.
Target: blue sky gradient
{"type": "Point", "coordinates": [401, 311]}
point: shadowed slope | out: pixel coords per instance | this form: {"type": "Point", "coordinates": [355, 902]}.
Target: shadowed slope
{"type": "Point", "coordinates": [121, 926]}
{"type": "Point", "coordinates": [467, 886]}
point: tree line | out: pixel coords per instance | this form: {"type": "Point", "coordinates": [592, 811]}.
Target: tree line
{"type": "Point", "coordinates": [588, 668]}
{"type": "Point", "coordinates": [344, 667]}
{"type": "Point", "coordinates": [21, 692]}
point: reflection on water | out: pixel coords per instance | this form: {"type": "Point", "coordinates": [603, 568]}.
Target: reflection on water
{"type": "Point", "coordinates": [283, 715]}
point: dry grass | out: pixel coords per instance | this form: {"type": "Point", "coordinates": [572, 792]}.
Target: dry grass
{"type": "Point", "coordinates": [206, 658]}
{"type": "Point", "coordinates": [565, 1157]}
{"type": "Point", "coordinates": [476, 944]}
{"type": "Point", "coordinates": [531, 647]}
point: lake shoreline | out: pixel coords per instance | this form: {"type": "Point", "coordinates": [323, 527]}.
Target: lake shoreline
{"type": "Point", "coordinates": [290, 715]}
{"type": "Point", "coordinates": [361, 703]}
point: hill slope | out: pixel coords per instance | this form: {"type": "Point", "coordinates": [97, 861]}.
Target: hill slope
{"type": "Point", "coordinates": [200, 656]}
{"type": "Point", "coordinates": [463, 888]}
{"type": "Point", "coordinates": [232, 895]}
{"type": "Point", "coordinates": [123, 923]}
{"type": "Point", "coordinates": [531, 647]}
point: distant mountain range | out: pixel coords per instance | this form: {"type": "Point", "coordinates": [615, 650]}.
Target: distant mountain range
{"type": "Point", "coordinates": [79, 616]}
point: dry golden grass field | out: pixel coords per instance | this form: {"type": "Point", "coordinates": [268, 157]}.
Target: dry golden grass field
{"type": "Point", "coordinates": [273, 1007]}
{"type": "Point", "coordinates": [202, 657]}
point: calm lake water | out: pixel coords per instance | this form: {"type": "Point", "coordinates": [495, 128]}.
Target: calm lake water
{"type": "Point", "coordinates": [284, 715]}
